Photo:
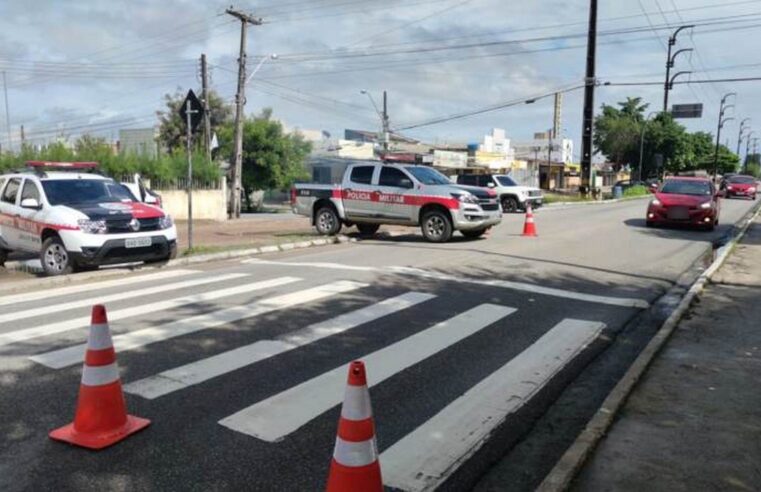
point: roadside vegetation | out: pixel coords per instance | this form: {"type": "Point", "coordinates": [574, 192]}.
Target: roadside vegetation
{"type": "Point", "coordinates": [636, 191]}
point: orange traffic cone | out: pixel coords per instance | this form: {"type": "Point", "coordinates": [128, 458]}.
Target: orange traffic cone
{"type": "Point", "coordinates": [101, 418]}
{"type": "Point", "coordinates": [529, 228]}
{"type": "Point", "coordinates": [355, 465]}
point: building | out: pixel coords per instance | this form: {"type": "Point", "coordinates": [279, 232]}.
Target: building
{"type": "Point", "coordinates": [537, 150]}
{"type": "Point", "coordinates": [139, 141]}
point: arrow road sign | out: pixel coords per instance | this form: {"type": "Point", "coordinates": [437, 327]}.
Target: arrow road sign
{"type": "Point", "coordinates": [196, 110]}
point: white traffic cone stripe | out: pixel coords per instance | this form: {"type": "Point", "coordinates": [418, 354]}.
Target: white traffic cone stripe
{"type": "Point", "coordinates": [356, 403]}
{"type": "Point", "coordinates": [361, 453]}
{"type": "Point", "coordinates": [100, 375]}
{"type": "Point", "coordinates": [99, 337]}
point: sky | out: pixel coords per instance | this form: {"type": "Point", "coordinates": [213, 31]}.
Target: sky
{"type": "Point", "coordinates": [95, 66]}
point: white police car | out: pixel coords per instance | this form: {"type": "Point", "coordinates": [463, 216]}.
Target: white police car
{"type": "Point", "coordinates": [76, 219]}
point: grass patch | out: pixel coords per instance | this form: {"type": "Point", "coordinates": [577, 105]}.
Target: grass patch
{"type": "Point", "coordinates": [636, 191]}
{"type": "Point", "coordinates": [558, 198]}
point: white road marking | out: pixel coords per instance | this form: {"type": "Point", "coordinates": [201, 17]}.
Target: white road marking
{"type": "Point", "coordinates": [506, 284]}
{"type": "Point", "coordinates": [424, 458]}
{"type": "Point", "coordinates": [211, 367]}
{"type": "Point", "coordinates": [140, 338]}
{"type": "Point", "coordinates": [47, 294]}
{"type": "Point", "coordinates": [276, 417]}
{"type": "Point", "coordinates": [94, 298]}
{"type": "Point", "coordinates": [84, 321]}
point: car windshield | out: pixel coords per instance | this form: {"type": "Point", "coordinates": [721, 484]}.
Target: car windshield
{"type": "Point", "coordinates": [71, 191]}
{"type": "Point", "coordinates": [742, 179]}
{"type": "Point", "coordinates": [679, 187]}
{"type": "Point", "coordinates": [428, 176]}
{"type": "Point", "coordinates": [506, 181]}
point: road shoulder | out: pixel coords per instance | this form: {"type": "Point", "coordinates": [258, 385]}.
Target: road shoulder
{"type": "Point", "coordinates": [693, 423]}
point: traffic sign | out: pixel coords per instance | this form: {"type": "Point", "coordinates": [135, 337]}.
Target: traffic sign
{"type": "Point", "coordinates": [196, 110]}
{"type": "Point", "coordinates": [687, 110]}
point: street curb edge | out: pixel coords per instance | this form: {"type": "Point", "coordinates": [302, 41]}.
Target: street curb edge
{"type": "Point", "coordinates": [565, 470]}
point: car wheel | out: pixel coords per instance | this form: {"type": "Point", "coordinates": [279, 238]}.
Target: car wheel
{"type": "Point", "coordinates": [368, 229]}
{"type": "Point", "coordinates": [436, 226]}
{"type": "Point", "coordinates": [327, 222]}
{"type": "Point", "coordinates": [54, 257]}
{"type": "Point", "coordinates": [509, 205]}
{"type": "Point", "coordinates": [754, 197]}
{"type": "Point", "coordinates": [474, 234]}
{"type": "Point", "coordinates": [3, 256]}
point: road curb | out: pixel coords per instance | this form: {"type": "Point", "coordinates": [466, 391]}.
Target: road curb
{"type": "Point", "coordinates": [565, 470]}
{"type": "Point", "coordinates": [558, 205]}
{"type": "Point", "coordinates": [46, 282]}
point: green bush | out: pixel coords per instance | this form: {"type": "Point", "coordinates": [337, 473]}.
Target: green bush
{"type": "Point", "coordinates": [636, 191]}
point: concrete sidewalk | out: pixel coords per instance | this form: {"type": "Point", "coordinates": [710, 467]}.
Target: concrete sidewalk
{"type": "Point", "coordinates": [694, 421]}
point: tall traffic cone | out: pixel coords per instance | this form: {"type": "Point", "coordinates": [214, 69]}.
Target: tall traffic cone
{"type": "Point", "coordinates": [529, 228]}
{"type": "Point", "coordinates": [355, 465]}
{"type": "Point", "coordinates": [101, 418]}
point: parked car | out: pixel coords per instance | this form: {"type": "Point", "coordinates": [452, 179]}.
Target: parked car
{"type": "Point", "coordinates": [142, 192]}
{"type": "Point", "coordinates": [740, 185]}
{"type": "Point", "coordinates": [76, 219]}
{"type": "Point", "coordinates": [682, 200]}
{"type": "Point", "coordinates": [412, 195]}
{"type": "Point", "coordinates": [512, 196]}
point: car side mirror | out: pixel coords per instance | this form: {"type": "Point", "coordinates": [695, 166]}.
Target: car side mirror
{"type": "Point", "coordinates": [405, 183]}
{"type": "Point", "coordinates": [491, 185]}
{"type": "Point", "coordinates": [150, 199]}
{"type": "Point", "coordinates": [31, 203]}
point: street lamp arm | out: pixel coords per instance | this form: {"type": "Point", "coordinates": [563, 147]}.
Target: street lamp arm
{"type": "Point", "coordinates": [671, 82]}
{"type": "Point", "coordinates": [690, 26]}
{"type": "Point", "coordinates": [683, 50]}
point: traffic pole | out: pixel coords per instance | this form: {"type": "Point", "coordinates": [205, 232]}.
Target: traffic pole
{"type": "Point", "coordinates": [188, 133]}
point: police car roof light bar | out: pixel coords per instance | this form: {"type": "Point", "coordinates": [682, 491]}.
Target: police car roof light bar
{"type": "Point", "coordinates": [62, 165]}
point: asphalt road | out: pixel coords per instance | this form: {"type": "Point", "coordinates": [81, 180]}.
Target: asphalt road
{"type": "Point", "coordinates": [240, 365]}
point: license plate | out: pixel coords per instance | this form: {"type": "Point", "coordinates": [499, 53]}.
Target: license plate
{"type": "Point", "coordinates": [137, 242]}
{"type": "Point", "coordinates": [678, 213]}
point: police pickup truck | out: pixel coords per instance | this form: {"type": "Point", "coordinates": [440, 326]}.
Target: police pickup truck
{"type": "Point", "coordinates": [76, 219]}
{"type": "Point", "coordinates": [374, 194]}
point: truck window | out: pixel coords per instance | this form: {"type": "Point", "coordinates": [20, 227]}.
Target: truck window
{"type": "Point", "coordinates": [466, 179]}
{"type": "Point", "coordinates": [362, 174]}
{"type": "Point", "coordinates": [484, 181]}
{"type": "Point", "coordinates": [391, 176]}
{"type": "Point", "coordinates": [9, 195]}
{"type": "Point", "coordinates": [30, 190]}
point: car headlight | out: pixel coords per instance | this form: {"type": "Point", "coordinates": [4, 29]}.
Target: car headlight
{"type": "Point", "coordinates": [751, 190]}
{"type": "Point", "coordinates": [166, 222]}
{"type": "Point", "coordinates": [729, 187]}
{"type": "Point", "coordinates": [92, 226]}
{"type": "Point", "coordinates": [705, 205]}
{"type": "Point", "coordinates": [655, 202]}
{"type": "Point", "coordinates": [466, 198]}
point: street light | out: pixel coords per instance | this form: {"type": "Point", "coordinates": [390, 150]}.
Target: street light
{"type": "Point", "coordinates": [668, 84]}
{"type": "Point", "coordinates": [273, 56]}
{"type": "Point", "coordinates": [642, 144]}
{"type": "Point", "coordinates": [671, 82]}
{"type": "Point", "coordinates": [383, 116]}
{"type": "Point", "coordinates": [722, 120]}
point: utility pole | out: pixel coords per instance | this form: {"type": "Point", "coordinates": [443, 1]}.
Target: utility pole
{"type": "Point", "coordinates": [386, 136]}
{"type": "Point", "coordinates": [740, 138]}
{"type": "Point", "coordinates": [205, 101]}
{"type": "Point", "coordinates": [7, 114]}
{"type": "Point", "coordinates": [240, 101]}
{"type": "Point", "coordinates": [668, 85]}
{"type": "Point", "coordinates": [589, 101]}
{"type": "Point", "coordinates": [23, 137]}
{"type": "Point", "coordinates": [747, 144]}
{"type": "Point", "coordinates": [722, 120]}
{"type": "Point", "coordinates": [189, 111]}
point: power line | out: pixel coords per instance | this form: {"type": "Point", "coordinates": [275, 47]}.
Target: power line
{"type": "Point", "coordinates": [677, 82]}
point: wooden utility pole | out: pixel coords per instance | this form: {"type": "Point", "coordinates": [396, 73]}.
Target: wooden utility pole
{"type": "Point", "coordinates": [587, 126]}
{"type": "Point", "coordinates": [205, 101]}
{"type": "Point", "coordinates": [240, 102]}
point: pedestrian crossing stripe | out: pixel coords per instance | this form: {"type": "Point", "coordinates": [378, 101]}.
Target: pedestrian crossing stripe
{"type": "Point", "coordinates": [135, 339]}
{"type": "Point", "coordinates": [218, 365]}
{"type": "Point", "coordinates": [84, 321]}
{"type": "Point", "coordinates": [276, 417]}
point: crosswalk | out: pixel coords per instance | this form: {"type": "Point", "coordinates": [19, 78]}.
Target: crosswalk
{"type": "Point", "coordinates": [420, 460]}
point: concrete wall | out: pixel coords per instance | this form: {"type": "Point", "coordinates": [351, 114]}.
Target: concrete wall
{"type": "Point", "coordinates": [207, 204]}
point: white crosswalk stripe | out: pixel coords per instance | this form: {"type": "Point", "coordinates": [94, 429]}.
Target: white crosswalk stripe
{"type": "Point", "coordinates": [212, 367]}
{"type": "Point", "coordinates": [278, 416]}
{"type": "Point", "coordinates": [94, 298]}
{"type": "Point", "coordinates": [83, 321]}
{"type": "Point", "coordinates": [417, 463]}
{"type": "Point", "coordinates": [47, 294]}
{"type": "Point", "coordinates": [140, 338]}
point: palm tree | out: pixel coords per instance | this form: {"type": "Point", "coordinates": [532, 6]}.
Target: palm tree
{"type": "Point", "coordinates": [634, 108]}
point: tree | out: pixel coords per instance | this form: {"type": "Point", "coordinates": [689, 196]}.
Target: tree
{"type": "Point", "coordinates": [617, 131]}
{"type": "Point", "coordinates": [272, 159]}
{"type": "Point", "coordinates": [171, 127]}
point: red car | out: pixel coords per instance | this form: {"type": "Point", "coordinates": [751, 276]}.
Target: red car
{"type": "Point", "coordinates": [740, 185]}
{"type": "Point", "coordinates": [688, 201]}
